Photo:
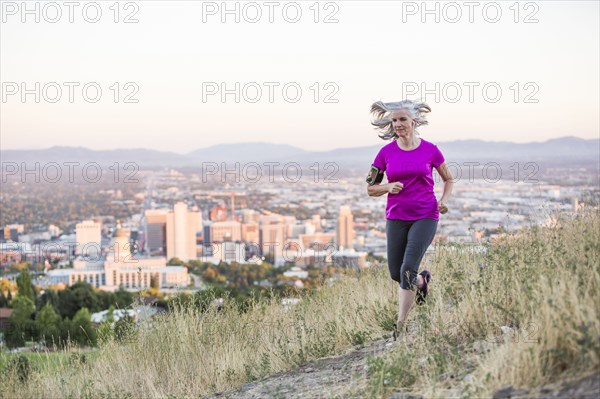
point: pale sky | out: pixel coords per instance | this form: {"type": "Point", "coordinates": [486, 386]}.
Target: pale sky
{"type": "Point", "coordinates": [376, 50]}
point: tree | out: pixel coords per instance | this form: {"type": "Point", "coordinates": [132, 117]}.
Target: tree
{"type": "Point", "coordinates": [210, 275]}
{"type": "Point", "coordinates": [79, 295]}
{"type": "Point", "coordinates": [49, 296]}
{"type": "Point", "coordinates": [24, 285]}
{"type": "Point", "coordinates": [5, 284]}
{"type": "Point", "coordinates": [3, 300]}
{"type": "Point", "coordinates": [47, 323]}
{"type": "Point", "coordinates": [175, 262]}
{"type": "Point", "coordinates": [66, 304]}
{"type": "Point", "coordinates": [85, 296]}
{"type": "Point", "coordinates": [110, 315]}
{"type": "Point", "coordinates": [80, 328]}
{"type": "Point", "coordinates": [21, 326]}
{"type": "Point", "coordinates": [124, 298]}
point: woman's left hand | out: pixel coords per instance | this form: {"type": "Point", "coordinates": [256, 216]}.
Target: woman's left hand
{"type": "Point", "coordinates": [442, 207]}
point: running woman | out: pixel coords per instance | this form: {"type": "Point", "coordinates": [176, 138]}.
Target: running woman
{"type": "Point", "coordinates": [412, 211]}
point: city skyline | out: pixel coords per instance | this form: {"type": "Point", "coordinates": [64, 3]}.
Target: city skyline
{"type": "Point", "coordinates": [547, 77]}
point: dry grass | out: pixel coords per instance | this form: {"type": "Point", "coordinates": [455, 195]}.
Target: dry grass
{"type": "Point", "coordinates": [190, 354]}
{"type": "Point", "coordinates": [544, 284]}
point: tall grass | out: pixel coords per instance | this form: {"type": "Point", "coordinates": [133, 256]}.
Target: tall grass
{"type": "Point", "coordinates": [187, 353]}
{"type": "Point", "coordinates": [544, 284]}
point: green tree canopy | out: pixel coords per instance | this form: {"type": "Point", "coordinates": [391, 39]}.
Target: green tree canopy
{"type": "Point", "coordinates": [48, 323]}
{"type": "Point", "coordinates": [21, 327]}
{"type": "Point", "coordinates": [3, 300]}
{"type": "Point", "coordinates": [175, 262]}
{"type": "Point", "coordinates": [79, 295]}
{"type": "Point", "coordinates": [24, 285]}
{"type": "Point", "coordinates": [80, 328]}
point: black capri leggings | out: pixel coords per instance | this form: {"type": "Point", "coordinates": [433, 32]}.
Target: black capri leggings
{"type": "Point", "coordinates": [407, 241]}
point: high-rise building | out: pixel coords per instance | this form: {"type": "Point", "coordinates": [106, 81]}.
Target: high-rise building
{"type": "Point", "coordinates": [12, 231]}
{"type": "Point", "coordinates": [250, 216]}
{"type": "Point", "coordinates": [229, 251]}
{"type": "Point", "coordinates": [317, 241]}
{"type": "Point", "coordinates": [345, 228]}
{"type": "Point", "coordinates": [206, 242]}
{"type": "Point", "coordinates": [120, 247]}
{"type": "Point", "coordinates": [182, 226]}
{"type": "Point", "coordinates": [274, 232]}
{"type": "Point", "coordinates": [121, 268]}
{"type": "Point", "coordinates": [250, 232]}
{"type": "Point", "coordinates": [272, 240]}
{"type": "Point", "coordinates": [156, 231]}
{"type": "Point", "coordinates": [226, 231]}
{"type": "Point", "coordinates": [88, 237]}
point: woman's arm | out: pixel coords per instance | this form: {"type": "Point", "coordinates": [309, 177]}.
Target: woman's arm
{"type": "Point", "coordinates": [448, 184]}
{"type": "Point", "coordinates": [377, 190]}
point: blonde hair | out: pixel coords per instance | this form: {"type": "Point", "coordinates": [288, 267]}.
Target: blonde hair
{"type": "Point", "coordinates": [383, 122]}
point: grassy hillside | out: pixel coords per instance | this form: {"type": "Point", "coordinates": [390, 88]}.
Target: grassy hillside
{"type": "Point", "coordinates": [543, 286]}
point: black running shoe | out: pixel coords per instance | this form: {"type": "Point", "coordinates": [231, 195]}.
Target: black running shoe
{"type": "Point", "coordinates": [422, 292]}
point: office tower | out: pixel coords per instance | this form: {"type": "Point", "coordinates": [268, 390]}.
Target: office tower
{"type": "Point", "coordinates": [228, 251]}
{"type": "Point", "coordinates": [156, 231]}
{"type": "Point", "coordinates": [272, 240]}
{"type": "Point", "coordinates": [226, 231]}
{"type": "Point", "coordinates": [182, 226]}
{"type": "Point", "coordinates": [250, 216]}
{"type": "Point", "coordinates": [121, 245]}
{"type": "Point", "coordinates": [317, 241]}
{"type": "Point", "coordinates": [250, 232]}
{"type": "Point", "coordinates": [88, 236]}
{"type": "Point", "coordinates": [206, 243]}
{"type": "Point", "coordinates": [12, 231]}
{"type": "Point", "coordinates": [345, 228]}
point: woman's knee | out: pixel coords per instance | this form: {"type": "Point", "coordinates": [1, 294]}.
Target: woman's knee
{"type": "Point", "coordinates": [408, 277]}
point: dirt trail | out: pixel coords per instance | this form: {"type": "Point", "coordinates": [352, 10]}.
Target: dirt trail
{"type": "Point", "coordinates": [342, 376]}
{"type": "Point", "coordinates": [346, 376]}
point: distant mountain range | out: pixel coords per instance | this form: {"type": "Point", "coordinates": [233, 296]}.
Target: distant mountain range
{"type": "Point", "coordinates": [571, 149]}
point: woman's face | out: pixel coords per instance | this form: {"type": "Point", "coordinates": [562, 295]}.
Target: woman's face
{"type": "Point", "coordinates": [402, 123]}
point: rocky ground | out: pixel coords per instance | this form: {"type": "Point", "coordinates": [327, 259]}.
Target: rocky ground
{"type": "Point", "coordinates": [343, 376]}
{"type": "Point", "coordinates": [346, 376]}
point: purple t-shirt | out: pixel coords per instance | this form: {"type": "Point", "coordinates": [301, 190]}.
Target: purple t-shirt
{"type": "Point", "coordinates": [412, 168]}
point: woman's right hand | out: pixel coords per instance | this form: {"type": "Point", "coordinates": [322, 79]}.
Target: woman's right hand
{"type": "Point", "coordinates": [394, 188]}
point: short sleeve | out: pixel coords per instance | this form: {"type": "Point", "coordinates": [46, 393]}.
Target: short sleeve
{"type": "Point", "coordinates": [437, 158]}
{"type": "Point", "coordinates": [380, 160]}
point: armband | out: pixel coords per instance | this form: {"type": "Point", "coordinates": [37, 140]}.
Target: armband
{"type": "Point", "coordinates": [375, 175]}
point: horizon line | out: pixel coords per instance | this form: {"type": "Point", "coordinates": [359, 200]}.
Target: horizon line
{"type": "Point", "coordinates": [2, 149]}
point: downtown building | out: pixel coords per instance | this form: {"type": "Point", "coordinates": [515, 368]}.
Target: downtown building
{"type": "Point", "coordinates": [173, 233]}
{"type": "Point", "coordinates": [120, 268]}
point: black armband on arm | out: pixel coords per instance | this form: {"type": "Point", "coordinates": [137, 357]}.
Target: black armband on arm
{"type": "Point", "coordinates": [375, 175]}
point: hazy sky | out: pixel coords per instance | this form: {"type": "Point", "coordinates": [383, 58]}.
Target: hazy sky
{"type": "Point", "coordinates": [546, 69]}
